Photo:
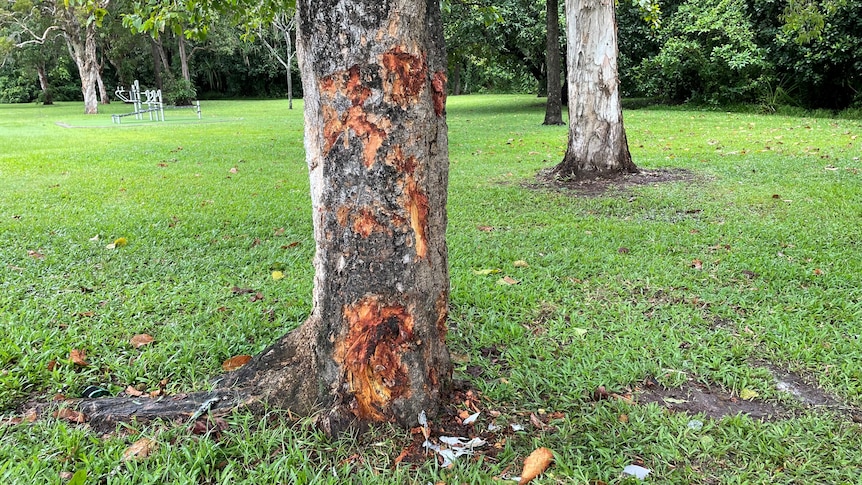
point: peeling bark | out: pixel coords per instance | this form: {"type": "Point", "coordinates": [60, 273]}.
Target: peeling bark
{"type": "Point", "coordinates": [81, 41]}
{"type": "Point", "coordinates": [373, 348]}
{"type": "Point", "coordinates": [597, 138]}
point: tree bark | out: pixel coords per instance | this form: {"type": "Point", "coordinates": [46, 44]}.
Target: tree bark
{"type": "Point", "coordinates": [597, 139]}
{"type": "Point", "coordinates": [47, 95]}
{"type": "Point", "coordinates": [158, 59]}
{"type": "Point", "coordinates": [373, 348]}
{"type": "Point", "coordinates": [554, 105]}
{"type": "Point", "coordinates": [81, 41]}
{"type": "Point", "coordinates": [184, 59]}
{"type": "Point", "coordinates": [103, 92]}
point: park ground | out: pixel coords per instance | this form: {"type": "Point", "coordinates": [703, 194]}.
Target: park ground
{"type": "Point", "coordinates": [700, 320]}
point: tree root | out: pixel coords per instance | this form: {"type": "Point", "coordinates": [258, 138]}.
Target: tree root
{"type": "Point", "coordinates": [282, 376]}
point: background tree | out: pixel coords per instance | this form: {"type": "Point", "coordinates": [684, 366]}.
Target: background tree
{"type": "Point", "coordinates": [31, 43]}
{"type": "Point", "coordinates": [278, 39]}
{"type": "Point", "coordinates": [597, 139]}
{"type": "Point", "coordinates": [554, 106]}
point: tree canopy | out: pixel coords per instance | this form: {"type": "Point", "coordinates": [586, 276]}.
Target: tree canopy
{"type": "Point", "coordinates": [769, 52]}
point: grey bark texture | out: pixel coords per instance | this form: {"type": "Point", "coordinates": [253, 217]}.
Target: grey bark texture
{"type": "Point", "coordinates": [597, 138]}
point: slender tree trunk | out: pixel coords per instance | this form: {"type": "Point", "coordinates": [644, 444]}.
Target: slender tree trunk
{"type": "Point", "coordinates": [184, 59]}
{"type": "Point", "coordinates": [47, 95]}
{"type": "Point", "coordinates": [103, 93]}
{"type": "Point", "coordinates": [290, 55]}
{"type": "Point", "coordinates": [373, 348]}
{"type": "Point", "coordinates": [158, 59]}
{"type": "Point", "coordinates": [456, 79]}
{"type": "Point", "coordinates": [597, 139]}
{"type": "Point", "coordinates": [289, 90]}
{"type": "Point", "coordinates": [554, 106]}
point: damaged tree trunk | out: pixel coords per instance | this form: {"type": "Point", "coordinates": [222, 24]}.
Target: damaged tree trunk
{"type": "Point", "coordinates": [373, 348]}
{"type": "Point", "coordinates": [597, 139]}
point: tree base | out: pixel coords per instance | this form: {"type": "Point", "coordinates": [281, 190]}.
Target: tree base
{"type": "Point", "coordinates": [608, 165]}
{"type": "Point", "coordinates": [286, 375]}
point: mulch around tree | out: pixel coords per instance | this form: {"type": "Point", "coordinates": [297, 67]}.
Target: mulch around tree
{"type": "Point", "coordinates": [600, 186]}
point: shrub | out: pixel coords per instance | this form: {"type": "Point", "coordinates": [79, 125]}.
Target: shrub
{"type": "Point", "coordinates": [708, 54]}
{"type": "Point", "coordinates": [180, 92]}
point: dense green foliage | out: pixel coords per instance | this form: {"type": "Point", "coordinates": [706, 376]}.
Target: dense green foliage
{"type": "Point", "coordinates": [764, 51]}
{"type": "Point", "coordinates": [718, 52]}
{"type": "Point", "coordinates": [771, 212]}
{"type": "Point", "coordinates": [707, 53]}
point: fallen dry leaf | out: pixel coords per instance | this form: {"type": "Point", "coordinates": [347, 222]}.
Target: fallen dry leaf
{"type": "Point", "coordinates": [697, 264]}
{"type": "Point", "coordinates": [235, 363]}
{"type": "Point", "coordinates": [507, 280]}
{"type": "Point", "coordinates": [70, 415]}
{"type": "Point", "coordinates": [132, 391]}
{"type": "Point", "coordinates": [140, 340]}
{"type": "Point", "coordinates": [52, 364]}
{"type": "Point", "coordinates": [520, 264]}
{"type": "Point", "coordinates": [485, 228]}
{"type": "Point", "coordinates": [536, 464]}
{"type": "Point", "coordinates": [277, 275]}
{"type": "Point", "coordinates": [35, 255]}
{"type": "Point", "coordinates": [139, 449]}
{"type": "Point", "coordinates": [535, 421]}
{"type": "Point", "coordinates": [78, 357]}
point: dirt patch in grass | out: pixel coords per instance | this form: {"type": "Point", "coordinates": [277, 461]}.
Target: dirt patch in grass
{"type": "Point", "coordinates": [713, 402]}
{"type": "Point", "coordinates": [596, 187]}
{"type": "Point", "coordinates": [695, 398]}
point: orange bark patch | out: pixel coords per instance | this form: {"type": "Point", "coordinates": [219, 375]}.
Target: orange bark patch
{"type": "Point", "coordinates": [370, 129]}
{"type": "Point", "coordinates": [396, 159]}
{"type": "Point", "coordinates": [341, 215]}
{"type": "Point", "coordinates": [378, 334]}
{"type": "Point", "coordinates": [417, 207]}
{"type": "Point", "coordinates": [365, 223]}
{"type": "Point", "coordinates": [442, 308]}
{"type": "Point", "coordinates": [404, 75]}
{"type": "Point", "coordinates": [438, 86]}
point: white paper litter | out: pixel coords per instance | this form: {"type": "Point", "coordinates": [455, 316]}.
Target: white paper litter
{"type": "Point", "coordinates": [457, 447]}
{"type": "Point", "coordinates": [695, 424]}
{"type": "Point", "coordinates": [471, 419]}
{"type": "Point", "coordinates": [638, 472]}
{"type": "Point", "coordinates": [517, 427]}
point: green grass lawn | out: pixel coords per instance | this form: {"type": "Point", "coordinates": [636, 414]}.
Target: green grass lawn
{"type": "Point", "coordinates": [754, 260]}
